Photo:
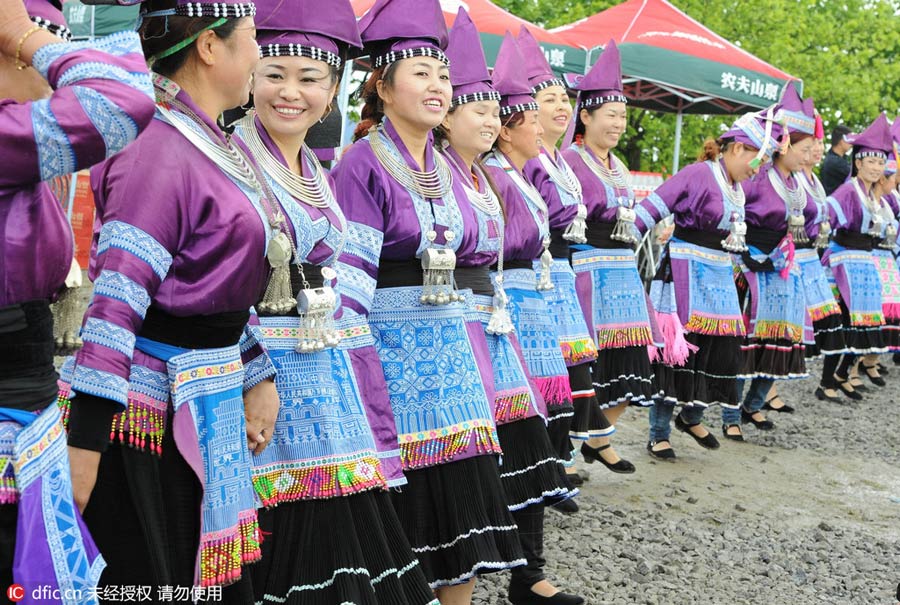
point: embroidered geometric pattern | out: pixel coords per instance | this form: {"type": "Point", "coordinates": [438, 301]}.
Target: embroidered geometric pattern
{"type": "Point", "coordinates": [55, 154]}
{"type": "Point", "coordinates": [508, 110]}
{"type": "Point", "coordinates": [712, 301]}
{"type": "Point", "coordinates": [364, 242]}
{"type": "Point", "coordinates": [231, 10]}
{"type": "Point", "coordinates": [475, 97]}
{"type": "Point", "coordinates": [100, 383]}
{"type": "Point", "coordinates": [9, 493]}
{"type": "Point", "coordinates": [356, 284]}
{"type": "Point", "coordinates": [119, 44]}
{"type": "Point", "coordinates": [115, 285]}
{"type": "Point", "coordinates": [621, 317]}
{"type": "Point", "coordinates": [116, 234]}
{"type": "Point", "coordinates": [108, 334]}
{"type": "Point", "coordinates": [433, 380]}
{"type": "Point", "coordinates": [91, 70]}
{"type": "Point", "coordinates": [575, 338]}
{"type": "Point", "coordinates": [116, 126]}
{"type": "Point", "coordinates": [598, 101]}
{"type": "Point", "coordinates": [257, 370]}
{"type": "Point", "coordinates": [548, 84]}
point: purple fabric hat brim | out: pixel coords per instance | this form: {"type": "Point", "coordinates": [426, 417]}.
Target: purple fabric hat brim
{"type": "Point", "coordinates": [397, 25]}
{"type": "Point", "coordinates": [267, 37]}
{"type": "Point", "coordinates": [337, 23]}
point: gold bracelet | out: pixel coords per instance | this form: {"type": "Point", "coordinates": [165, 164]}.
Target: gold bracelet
{"type": "Point", "coordinates": [20, 65]}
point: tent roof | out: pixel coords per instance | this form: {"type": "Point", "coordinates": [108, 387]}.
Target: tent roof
{"type": "Point", "coordinates": [671, 62]}
{"type": "Point", "coordinates": [493, 22]}
{"type": "Point", "coordinates": [92, 21]}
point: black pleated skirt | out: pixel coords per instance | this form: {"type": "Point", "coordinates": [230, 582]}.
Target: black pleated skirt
{"type": "Point", "coordinates": [456, 518]}
{"type": "Point", "coordinates": [589, 420]}
{"type": "Point", "coordinates": [144, 516]}
{"type": "Point", "coordinates": [709, 375]}
{"type": "Point", "coordinates": [623, 375]}
{"type": "Point", "coordinates": [778, 359]}
{"type": "Point", "coordinates": [340, 550]}
{"type": "Point", "coordinates": [530, 469]}
{"type": "Point", "coordinates": [829, 336]}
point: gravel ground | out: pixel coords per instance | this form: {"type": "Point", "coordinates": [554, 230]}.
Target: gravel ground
{"type": "Point", "coordinates": [805, 514]}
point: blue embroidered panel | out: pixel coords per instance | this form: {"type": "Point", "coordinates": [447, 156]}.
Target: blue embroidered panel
{"type": "Point", "coordinates": [116, 234]}
{"type": "Point", "coordinates": [364, 242]}
{"type": "Point", "coordinates": [432, 376]}
{"type": "Point", "coordinates": [115, 285]}
{"type": "Point", "coordinates": [108, 334]}
{"type": "Point", "coordinates": [55, 154]}
{"type": "Point", "coordinates": [116, 126]}
{"type": "Point", "coordinates": [100, 383]}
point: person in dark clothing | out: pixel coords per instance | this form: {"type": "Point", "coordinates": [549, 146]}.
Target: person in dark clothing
{"type": "Point", "coordinates": [836, 167]}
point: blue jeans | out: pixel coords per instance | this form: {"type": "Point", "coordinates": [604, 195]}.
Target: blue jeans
{"type": "Point", "coordinates": [753, 402]}
{"type": "Point", "coordinates": [661, 419]}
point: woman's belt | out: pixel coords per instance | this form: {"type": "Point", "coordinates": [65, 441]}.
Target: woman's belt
{"type": "Point", "coordinates": [195, 331]}
{"type": "Point", "coordinates": [855, 241]}
{"type": "Point", "coordinates": [765, 240]}
{"type": "Point", "coordinates": [407, 273]}
{"type": "Point", "coordinates": [559, 246]}
{"type": "Point", "coordinates": [707, 239]}
{"type": "Point", "coordinates": [599, 235]}
{"type": "Point", "coordinates": [27, 375]}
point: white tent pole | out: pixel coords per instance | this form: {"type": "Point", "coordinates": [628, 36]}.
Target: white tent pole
{"type": "Point", "coordinates": [343, 101]}
{"type": "Point", "coordinates": [679, 118]}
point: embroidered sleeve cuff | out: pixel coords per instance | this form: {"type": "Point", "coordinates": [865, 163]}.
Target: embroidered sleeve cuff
{"type": "Point", "coordinates": [257, 370]}
{"type": "Point", "coordinates": [89, 422]}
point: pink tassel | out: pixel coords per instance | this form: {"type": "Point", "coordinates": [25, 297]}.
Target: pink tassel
{"type": "Point", "coordinates": [789, 257]}
{"type": "Point", "coordinates": [653, 353]}
{"type": "Point", "coordinates": [677, 349]}
{"type": "Point", "coordinates": [820, 127]}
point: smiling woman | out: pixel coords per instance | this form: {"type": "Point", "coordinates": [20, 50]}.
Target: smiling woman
{"type": "Point", "coordinates": [420, 255]}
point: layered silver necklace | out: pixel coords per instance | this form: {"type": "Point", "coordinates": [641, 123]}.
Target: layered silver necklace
{"type": "Point", "coordinates": [616, 178]}
{"type": "Point", "coordinates": [795, 200]}
{"type": "Point", "coordinates": [873, 205]}
{"type": "Point", "coordinates": [564, 178]}
{"type": "Point", "coordinates": [737, 236]}
{"type": "Point", "coordinates": [500, 321]}
{"type": "Point", "coordinates": [438, 264]}
{"type": "Point", "coordinates": [230, 158]}
{"type": "Point", "coordinates": [315, 306]}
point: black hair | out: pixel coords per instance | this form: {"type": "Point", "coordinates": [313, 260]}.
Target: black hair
{"type": "Point", "coordinates": [159, 34]}
{"type": "Point", "coordinates": [837, 135]}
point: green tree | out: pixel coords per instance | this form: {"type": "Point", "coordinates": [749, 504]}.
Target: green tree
{"type": "Point", "coordinates": [844, 51]}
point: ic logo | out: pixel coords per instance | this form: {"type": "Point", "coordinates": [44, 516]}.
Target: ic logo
{"type": "Point", "coordinates": [15, 593]}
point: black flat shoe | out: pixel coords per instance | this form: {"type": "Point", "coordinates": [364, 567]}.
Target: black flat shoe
{"type": "Point", "coordinates": [872, 375]}
{"type": "Point", "coordinates": [862, 388]}
{"type": "Point", "coordinates": [738, 437]}
{"type": "Point", "coordinates": [882, 369]}
{"type": "Point", "coordinates": [593, 453]}
{"type": "Point", "coordinates": [847, 389]}
{"type": "Point", "coordinates": [574, 479]}
{"type": "Point", "coordinates": [709, 441]}
{"type": "Point", "coordinates": [763, 425]}
{"type": "Point", "coordinates": [666, 454]}
{"type": "Point", "coordinates": [567, 507]}
{"type": "Point", "coordinates": [821, 395]}
{"type": "Point", "coordinates": [784, 409]}
{"type": "Point", "coordinates": [896, 359]}
{"type": "Point", "coordinates": [524, 596]}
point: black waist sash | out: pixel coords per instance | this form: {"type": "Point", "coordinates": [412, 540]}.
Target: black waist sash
{"type": "Point", "coordinates": [405, 273]}
{"type": "Point", "coordinates": [599, 235]}
{"type": "Point", "coordinates": [854, 241]}
{"type": "Point", "coordinates": [765, 240]}
{"type": "Point", "coordinates": [195, 331]}
{"type": "Point", "coordinates": [27, 375]}
{"type": "Point", "coordinates": [707, 239]}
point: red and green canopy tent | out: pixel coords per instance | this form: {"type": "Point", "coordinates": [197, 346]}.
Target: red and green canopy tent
{"type": "Point", "coordinates": [493, 22]}
{"type": "Point", "coordinates": [672, 63]}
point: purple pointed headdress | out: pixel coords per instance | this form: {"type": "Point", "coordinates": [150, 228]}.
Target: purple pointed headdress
{"type": "Point", "coordinates": [300, 28]}
{"type": "Point", "coordinates": [603, 83]}
{"type": "Point", "coordinates": [540, 75]}
{"type": "Point", "coordinates": [47, 14]}
{"type": "Point", "coordinates": [510, 80]}
{"type": "Point", "coordinates": [759, 130]}
{"type": "Point", "coordinates": [874, 141]}
{"type": "Point", "coordinates": [792, 113]}
{"type": "Point", "coordinates": [393, 30]}
{"type": "Point", "coordinates": [469, 73]}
